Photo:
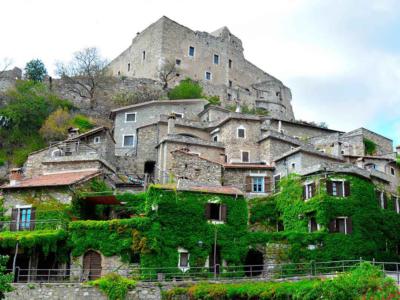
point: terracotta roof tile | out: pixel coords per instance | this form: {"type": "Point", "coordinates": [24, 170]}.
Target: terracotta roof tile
{"type": "Point", "coordinates": [56, 179]}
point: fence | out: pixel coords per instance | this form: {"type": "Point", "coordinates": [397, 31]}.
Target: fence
{"type": "Point", "coordinates": [217, 273]}
{"type": "Point", "coordinates": [29, 225]}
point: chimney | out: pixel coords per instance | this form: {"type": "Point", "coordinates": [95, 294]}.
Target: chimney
{"type": "Point", "coordinates": [171, 124]}
{"type": "Point", "coordinates": [16, 176]}
{"type": "Point", "coordinates": [73, 132]}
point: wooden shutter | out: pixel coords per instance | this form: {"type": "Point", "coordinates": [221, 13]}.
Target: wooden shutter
{"type": "Point", "coordinates": [248, 184]}
{"type": "Point", "coordinates": [384, 201]}
{"type": "Point", "coordinates": [329, 189]}
{"type": "Point", "coordinates": [267, 184]}
{"type": "Point", "coordinates": [14, 218]}
{"type": "Point", "coordinates": [332, 225]}
{"type": "Point", "coordinates": [223, 212]}
{"type": "Point", "coordinates": [33, 219]}
{"type": "Point", "coordinates": [349, 226]}
{"type": "Point", "coordinates": [304, 192]}
{"type": "Point", "coordinates": [313, 189]}
{"type": "Point", "coordinates": [207, 211]}
{"type": "Point", "coordinates": [346, 188]}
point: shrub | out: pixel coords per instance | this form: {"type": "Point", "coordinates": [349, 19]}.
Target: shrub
{"type": "Point", "coordinates": [5, 279]}
{"type": "Point", "coordinates": [186, 89]}
{"type": "Point", "coordinates": [114, 285]}
{"type": "Point", "coordinates": [82, 122]}
{"type": "Point", "coordinates": [370, 147]}
{"type": "Point", "coordinates": [214, 100]}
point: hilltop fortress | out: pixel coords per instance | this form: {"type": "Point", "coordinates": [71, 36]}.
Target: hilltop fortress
{"type": "Point", "coordinates": [215, 59]}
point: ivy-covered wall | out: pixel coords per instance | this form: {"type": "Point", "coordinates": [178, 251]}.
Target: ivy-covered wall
{"type": "Point", "coordinates": [374, 230]}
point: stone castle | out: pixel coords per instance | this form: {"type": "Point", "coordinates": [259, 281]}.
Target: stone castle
{"type": "Point", "coordinates": [215, 59]}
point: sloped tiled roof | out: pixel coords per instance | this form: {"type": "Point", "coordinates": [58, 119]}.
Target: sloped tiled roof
{"type": "Point", "coordinates": [55, 179]}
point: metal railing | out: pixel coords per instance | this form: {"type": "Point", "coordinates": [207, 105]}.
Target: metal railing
{"type": "Point", "coordinates": [217, 273]}
{"type": "Point", "coordinates": [30, 225]}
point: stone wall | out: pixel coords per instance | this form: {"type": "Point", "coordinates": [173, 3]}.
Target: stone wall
{"type": "Point", "coordinates": [194, 168]}
{"type": "Point", "coordinates": [237, 177]}
{"type": "Point", "coordinates": [8, 78]}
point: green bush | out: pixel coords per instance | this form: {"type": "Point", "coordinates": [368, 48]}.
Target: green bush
{"type": "Point", "coordinates": [186, 89]}
{"type": "Point", "coordinates": [214, 100]}
{"type": "Point", "coordinates": [370, 147]}
{"type": "Point", "coordinates": [364, 282]}
{"type": "Point", "coordinates": [114, 286]}
{"type": "Point", "coordinates": [82, 122]}
{"type": "Point", "coordinates": [5, 278]}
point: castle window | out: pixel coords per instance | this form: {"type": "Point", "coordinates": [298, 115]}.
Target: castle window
{"type": "Point", "coordinates": [338, 188]}
{"type": "Point", "coordinates": [178, 62]}
{"type": "Point", "coordinates": [128, 140]}
{"type": "Point", "coordinates": [96, 140]}
{"type": "Point", "coordinates": [208, 75]}
{"type": "Point", "coordinates": [216, 59]}
{"type": "Point", "coordinates": [308, 191]}
{"type": "Point", "coordinates": [230, 83]}
{"type": "Point", "coordinates": [216, 212]}
{"type": "Point", "coordinates": [312, 225]}
{"type": "Point", "coordinates": [230, 63]}
{"type": "Point", "coordinates": [245, 156]}
{"type": "Point", "coordinates": [257, 184]}
{"type": "Point", "coordinates": [191, 51]}
{"type": "Point", "coordinates": [130, 117]}
{"type": "Point", "coordinates": [241, 132]}
{"type": "Point", "coordinates": [129, 67]}
{"type": "Point", "coordinates": [392, 172]}
{"type": "Point", "coordinates": [144, 55]}
{"type": "Point", "coordinates": [341, 224]}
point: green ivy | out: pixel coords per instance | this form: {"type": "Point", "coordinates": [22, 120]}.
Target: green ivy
{"type": "Point", "coordinates": [370, 147]}
{"type": "Point", "coordinates": [114, 286]}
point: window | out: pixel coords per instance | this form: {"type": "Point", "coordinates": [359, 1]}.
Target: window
{"type": "Point", "coordinates": [312, 225]}
{"type": "Point", "coordinates": [277, 180]}
{"type": "Point", "coordinates": [22, 218]}
{"type": "Point", "coordinates": [96, 140]}
{"type": "Point", "coordinates": [119, 73]}
{"type": "Point", "coordinates": [128, 141]}
{"type": "Point", "coordinates": [183, 262]}
{"type": "Point", "coordinates": [216, 212]}
{"type": "Point", "coordinates": [309, 191]}
{"type": "Point", "coordinates": [230, 63]}
{"type": "Point", "coordinates": [257, 185]}
{"type": "Point", "coordinates": [381, 198]}
{"type": "Point", "coordinates": [191, 51]}
{"type": "Point", "coordinates": [216, 59]}
{"type": "Point", "coordinates": [129, 67]}
{"type": "Point", "coordinates": [230, 83]}
{"type": "Point", "coordinates": [280, 226]}
{"type": "Point", "coordinates": [178, 62]}
{"type": "Point", "coordinates": [245, 156]}
{"type": "Point", "coordinates": [392, 172]}
{"type": "Point", "coordinates": [370, 166]}
{"type": "Point", "coordinates": [144, 55]}
{"type": "Point", "coordinates": [208, 75]}
{"type": "Point", "coordinates": [178, 115]}
{"type": "Point", "coordinates": [215, 138]}
{"type": "Point", "coordinates": [130, 117]}
{"type": "Point", "coordinates": [241, 132]}
{"type": "Point", "coordinates": [229, 96]}
{"type": "Point", "coordinates": [293, 166]}
{"type": "Point", "coordinates": [341, 224]}
{"type": "Point", "coordinates": [338, 188]}
{"type": "Point", "coordinates": [396, 204]}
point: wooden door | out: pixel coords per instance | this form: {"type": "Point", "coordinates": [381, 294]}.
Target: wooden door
{"type": "Point", "coordinates": [92, 265]}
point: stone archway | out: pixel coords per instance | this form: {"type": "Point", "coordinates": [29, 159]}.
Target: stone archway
{"type": "Point", "coordinates": [91, 265]}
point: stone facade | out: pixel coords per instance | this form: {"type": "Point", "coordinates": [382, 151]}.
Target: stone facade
{"type": "Point", "coordinates": [8, 78]}
{"type": "Point", "coordinates": [215, 59]}
{"type": "Point", "coordinates": [193, 167]}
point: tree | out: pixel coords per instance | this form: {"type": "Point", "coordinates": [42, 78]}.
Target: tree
{"type": "Point", "coordinates": [57, 123]}
{"type": "Point", "coordinates": [186, 89]}
{"type": "Point", "coordinates": [35, 70]}
{"type": "Point", "coordinates": [167, 72]}
{"type": "Point", "coordinates": [5, 279]}
{"type": "Point", "coordinates": [84, 74]}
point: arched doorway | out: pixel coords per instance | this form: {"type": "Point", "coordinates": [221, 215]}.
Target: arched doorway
{"type": "Point", "coordinates": [254, 263]}
{"type": "Point", "coordinates": [92, 265]}
{"type": "Point", "coordinates": [149, 167]}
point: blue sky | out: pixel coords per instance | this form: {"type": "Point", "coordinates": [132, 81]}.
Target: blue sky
{"type": "Point", "coordinates": [340, 58]}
